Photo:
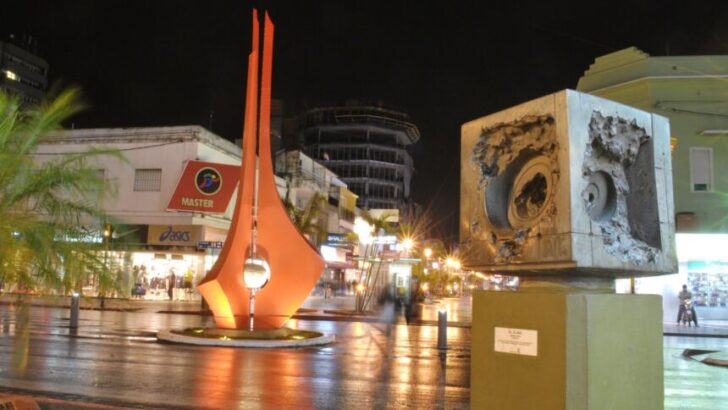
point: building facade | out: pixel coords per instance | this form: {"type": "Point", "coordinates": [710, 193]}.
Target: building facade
{"type": "Point", "coordinates": [306, 179]}
{"type": "Point", "coordinates": [692, 91]}
{"type": "Point", "coordinates": [149, 242]}
{"type": "Point", "coordinates": [159, 246]}
{"type": "Point", "coordinates": [21, 71]}
{"type": "Point", "coordinates": [366, 146]}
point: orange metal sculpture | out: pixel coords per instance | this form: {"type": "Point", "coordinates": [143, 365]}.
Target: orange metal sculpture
{"type": "Point", "coordinates": [295, 265]}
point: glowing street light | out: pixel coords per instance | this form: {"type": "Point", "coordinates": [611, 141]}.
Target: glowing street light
{"type": "Point", "coordinates": [428, 253]}
{"type": "Point", "coordinates": [449, 262]}
{"type": "Point", "coordinates": [407, 244]}
{"type": "Point", "coordinates": [363, 230]}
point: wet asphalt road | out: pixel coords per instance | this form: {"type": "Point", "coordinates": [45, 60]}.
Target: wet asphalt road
{"type": "Point", "coordinates": [114, 359]}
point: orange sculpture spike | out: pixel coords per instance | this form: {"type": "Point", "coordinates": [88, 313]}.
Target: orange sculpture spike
{"type": "Point", "coordinates": [295, 265]}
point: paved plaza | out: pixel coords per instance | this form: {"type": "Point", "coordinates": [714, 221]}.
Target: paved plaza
{"type": "Point", "coordinates": [115, 361]}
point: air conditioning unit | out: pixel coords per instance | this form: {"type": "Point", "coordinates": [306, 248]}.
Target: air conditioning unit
{"type": "Point", "coordinates": [568, 183]}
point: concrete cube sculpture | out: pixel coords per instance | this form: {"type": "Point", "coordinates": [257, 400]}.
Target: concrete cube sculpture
{"type": "Point", "coordinates": [568, 183]}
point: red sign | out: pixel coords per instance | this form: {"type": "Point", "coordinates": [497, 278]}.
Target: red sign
{"type": "Point", "coordinates": [205, 187]}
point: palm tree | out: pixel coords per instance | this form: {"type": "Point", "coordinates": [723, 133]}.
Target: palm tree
{"type": "Point", "coordinates": [307, 219]}
{"type": "Point", "coordinates": [45, 205]}
{"type": "Point", "coordinates": [373, 265]}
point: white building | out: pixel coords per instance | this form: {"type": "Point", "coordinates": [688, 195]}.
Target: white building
{"type": "Point", "coordinates": [144, 182]}
{"type": "Point", "coordinates": [158, 241]}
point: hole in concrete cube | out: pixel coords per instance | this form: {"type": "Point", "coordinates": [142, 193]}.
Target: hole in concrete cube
{"type": "Point", "coordinates": [642, 210]}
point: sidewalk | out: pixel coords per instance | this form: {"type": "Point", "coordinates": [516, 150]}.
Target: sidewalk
{"type": "Point", "coordinates": [707, 328]}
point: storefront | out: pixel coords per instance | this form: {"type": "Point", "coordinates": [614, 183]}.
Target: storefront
{"type": "Point", "coordinates": [338, 274]}
{"type": "Point", "coordinates": [703, 267]}
{"type": "Point", "coordinates": [167, 261]}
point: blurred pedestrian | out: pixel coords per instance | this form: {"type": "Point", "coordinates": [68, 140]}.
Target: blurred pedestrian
{"type": "Point", "coordinates": [171, 283]}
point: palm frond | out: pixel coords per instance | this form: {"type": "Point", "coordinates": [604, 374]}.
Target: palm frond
{"type": "Point", "coordinates": [43, 204]}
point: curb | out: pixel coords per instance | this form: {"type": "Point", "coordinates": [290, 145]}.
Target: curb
{"type": "Point", "coordinates": [168, 336]}
{"type": "Point", "coordinates": [17, 402]}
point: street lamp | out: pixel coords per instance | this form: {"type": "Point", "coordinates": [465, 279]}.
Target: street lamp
{"type": "Point", "coordinates": [449, 262]}
{"type": "Point", "coordinates": [256, 274]}
{"type": "Point", "coordinates": [428, 253]}
{"type": "Point", "coordinates": [408, 244]}
{"type": "Point", "coordinates": [363, 230]}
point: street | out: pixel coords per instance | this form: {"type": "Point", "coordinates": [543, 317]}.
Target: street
{"type": "Point", "coordinates": [114, 360]}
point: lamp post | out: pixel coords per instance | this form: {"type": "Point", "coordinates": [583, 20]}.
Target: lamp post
{"type": "Point", "coordinates": [108, 235]}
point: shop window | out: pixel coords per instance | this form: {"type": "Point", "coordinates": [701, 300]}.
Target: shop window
{"type": "Point", "coordinates": [177, 257]}
{"type": "Point", "coordinates": [160, 256]}
{"type": "Point", "coordinates": [701, 169]}
{"type": "Point", "coordinates": [148, 179]}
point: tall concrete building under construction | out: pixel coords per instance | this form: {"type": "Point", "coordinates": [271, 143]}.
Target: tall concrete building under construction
{"type": "Point", "coordinates": [365, 145]}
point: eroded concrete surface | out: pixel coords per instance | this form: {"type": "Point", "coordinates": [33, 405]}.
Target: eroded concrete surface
{"type": "Point", "coordinates": [499, 154]}
{"type": "Point", "coordinates": [620, 148]}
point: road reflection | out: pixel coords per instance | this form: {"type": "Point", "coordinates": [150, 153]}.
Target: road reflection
{"type": "Point", "coordinates": [458, 309]}
{"type": "Point", "coordinates": [274, 377]}
{"type": "Point", "coordinates": [22, 339]}
{"type": "Point", "coordinates": [112, 360]}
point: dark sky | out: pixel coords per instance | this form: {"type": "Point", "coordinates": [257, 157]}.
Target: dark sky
{"type": "Point", "coordinates": [149, 63]}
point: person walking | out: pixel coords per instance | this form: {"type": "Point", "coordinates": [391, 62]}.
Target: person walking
{"type": "Point", "coordinates": [171, 283]}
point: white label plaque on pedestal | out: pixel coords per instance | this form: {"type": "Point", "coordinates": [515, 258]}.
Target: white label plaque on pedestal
{"type": "Point", "coordinates": [516, 341]}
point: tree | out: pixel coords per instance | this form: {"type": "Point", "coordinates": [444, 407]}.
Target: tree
{"type": "Point", "coordinates": [47, 206]}
{"type": "Point", "coordinates": [307, 219]}
{"type": "Point", "coordinates": [373, 265]}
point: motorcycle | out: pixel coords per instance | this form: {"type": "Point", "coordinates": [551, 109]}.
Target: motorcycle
{"type": "Point", "coordinates": [687, 312]}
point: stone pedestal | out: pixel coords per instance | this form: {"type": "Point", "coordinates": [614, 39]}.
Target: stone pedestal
{"type": "Point", "coordinates": [545, 349]}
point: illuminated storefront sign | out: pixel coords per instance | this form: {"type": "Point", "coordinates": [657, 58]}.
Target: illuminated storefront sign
{"type": "Point", "coordinates": [209, 244]}
{"type": "Point", "coordinates": [333, 254]}
{"type": "Point", "coordinates": [179, 235]}
{"type": "Point", "coordinates": [205, 187]}
{"type": "Point", "coordinates": [385, 240]}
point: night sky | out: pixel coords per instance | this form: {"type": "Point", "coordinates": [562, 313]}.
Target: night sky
{"type": "Point", "coordinates": [153, 63]}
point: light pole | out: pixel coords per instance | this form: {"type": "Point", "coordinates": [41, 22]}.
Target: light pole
{"type": "Point", "coordinates": [108, 235]}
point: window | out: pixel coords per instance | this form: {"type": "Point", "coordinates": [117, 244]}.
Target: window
{"type": "Point", "coordinates": [701, 169]}
{"type": "Point", "coordinates": [149, 179]}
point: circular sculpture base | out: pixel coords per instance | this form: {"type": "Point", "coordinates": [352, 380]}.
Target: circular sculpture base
{"type": "Point", "coordinates": [283, 337]}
